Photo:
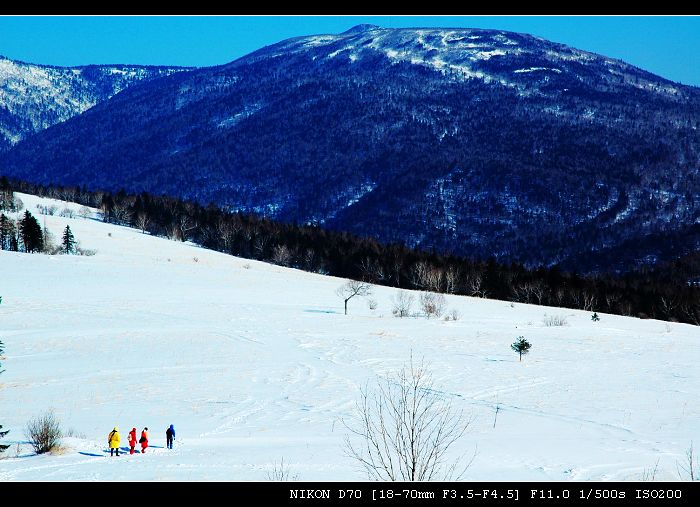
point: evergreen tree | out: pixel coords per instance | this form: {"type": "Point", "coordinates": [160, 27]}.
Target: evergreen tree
{"type": "Point", "coordinates": [2, 433]}
{"type": "Point", "coordinates": [8, 232]}
{"type": "Point", "coordinates": [31, 234]}
{"type": "Point", "coordinates": [521, 346]}
{"type": "Point", "coordinates": [68, 244]}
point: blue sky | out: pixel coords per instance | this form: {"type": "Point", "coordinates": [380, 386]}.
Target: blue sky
{"type": "Point", "coordinates": [668, 46]}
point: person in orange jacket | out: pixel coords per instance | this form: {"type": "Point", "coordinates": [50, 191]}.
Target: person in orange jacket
{"type": "Point", "coordinates": [144, 440]}
{"type": "Point", "coordinates": [132, 440]}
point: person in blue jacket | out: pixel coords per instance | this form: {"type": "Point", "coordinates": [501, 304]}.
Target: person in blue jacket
{"type": "Point", "coordinates": [170, 436]}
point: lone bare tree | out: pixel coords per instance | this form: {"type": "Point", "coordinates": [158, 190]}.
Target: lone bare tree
{"type": "Point", "coordinates": [402, 303]}
{"type": "Point", "coordinates": [406, 428]}
{"type": "Point", "coordinates": [433, 304]}
{"type": "Point", "coordinates": [142, 221]}
{"type": "Point", "coordinates": [351, 289]}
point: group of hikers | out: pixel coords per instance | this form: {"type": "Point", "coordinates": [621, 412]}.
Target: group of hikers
{"type": "Point", "coordinates": [114, 439]}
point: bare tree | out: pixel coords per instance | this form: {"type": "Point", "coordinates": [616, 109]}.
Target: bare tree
{"type": "Point", "coordinates": [309, 259]}
{"type": "Point", "coordinates": [402, 302]}
{"type": "Point", "coordinates": [539, 291]}
{"type": "Point", "coordinates": [85, 212]}
{"type": "Point", "coordinates": [121, 213]}
{"type": "Point", "coordinates": [452, 277]}
{"type": "Point", "coordinates": [530, 292]}
{"type": "Point", "coordinates": [418, 274]}
{"type": "Point", "coordinates": [173, 232]}
{"type": "Point", "coordinates": [611, 300]}
{"type": "Point", "coordinates": [260, 244]}
{"type": "Point", "coordinates": [68, 194]}
{"type": "Point", "coordinates": [560, 297]}
{"type": "Point", "coordinates": [96, 199]}
{"type": "Point", "coordinates": [406, 428]}
{"type": "Point", "coordinates": [668, 305]}
{"type": "Point", "coordinates": [67, 212]}
{"type": "Point", "coordinates": [351, 289]}
{"type": "Point", "coordinates": [142, 221]}
{"type": "Point", "coordinates": [281, 255]}
{"type": "Point", "coordinates": [186, 224]}
{"type": "Point", "coordinates": [396, 266]}
{"type": "Point", "coordinates": [227, 232]}
{"type": "Point", "coordinates": [372, 271]}
{"type": "Point", "coordinates": [425, 276]}
{"type": "Point", "coordinates": [589, 301]}
{"type": "Point", "coordinates": [475, 285]}
{"type": "Point", "coordinates": [432, 304]}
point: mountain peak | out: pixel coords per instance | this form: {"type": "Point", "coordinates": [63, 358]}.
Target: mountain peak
{"type": "Point", "coordinates": [364, 27]}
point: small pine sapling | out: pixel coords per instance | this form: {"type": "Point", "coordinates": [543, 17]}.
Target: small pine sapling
{"type": "Point", "coordinates": [521, 346]}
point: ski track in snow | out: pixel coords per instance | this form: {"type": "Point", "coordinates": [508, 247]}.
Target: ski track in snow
{"type": "Point", "coordinates": [254, 363]}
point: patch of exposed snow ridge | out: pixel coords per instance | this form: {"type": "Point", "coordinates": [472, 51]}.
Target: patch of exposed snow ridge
{"type": "Point", "coordinates": [536, 69]}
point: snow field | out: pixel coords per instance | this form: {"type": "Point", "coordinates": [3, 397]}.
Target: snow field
{"type": "Point", "coordinates": [253, 363]}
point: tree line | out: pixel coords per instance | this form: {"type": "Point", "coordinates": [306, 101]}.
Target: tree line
{"type": "Point", "coordinates": [312, 248]}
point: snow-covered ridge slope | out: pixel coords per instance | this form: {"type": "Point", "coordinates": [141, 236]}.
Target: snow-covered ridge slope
{"type": "Point", "coordinates": [253, 362]}
{"type": "Point", "coordinates": [34, 97]}
{"type": "Point", "coordinates": [462, 52]}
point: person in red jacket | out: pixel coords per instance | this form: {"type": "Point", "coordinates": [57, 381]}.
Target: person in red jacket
{"type": "Point", "coordinates": [132, 440]}
{"type": "Point", "coordinates": [144, 440]}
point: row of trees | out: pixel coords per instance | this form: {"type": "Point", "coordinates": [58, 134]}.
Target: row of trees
{"type": "Point", "coordinates": [27, 235]}
{"type": "Point", "coordinates": [312, 248]}
{"type": "Point", "coordinates": [23, 235]}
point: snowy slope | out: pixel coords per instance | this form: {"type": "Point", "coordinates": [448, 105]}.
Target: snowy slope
{"type": "Point", "coordinates": [254, 362]}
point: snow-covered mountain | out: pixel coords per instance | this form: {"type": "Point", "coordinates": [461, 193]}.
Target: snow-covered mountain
{"type": "Point", "coordinates": [34, 97]}
{"type": "Point", "coordinates": [462, 54]}
{"type": "Point", "coordinates": [478, 142]}
{"type": "Point", "coordinates": [253, 363]}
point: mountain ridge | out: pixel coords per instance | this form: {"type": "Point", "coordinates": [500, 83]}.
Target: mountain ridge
{"type": "Point", "coordinates": [34, 97]}
{"type": "Point", "coordinates": [481, 142]}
